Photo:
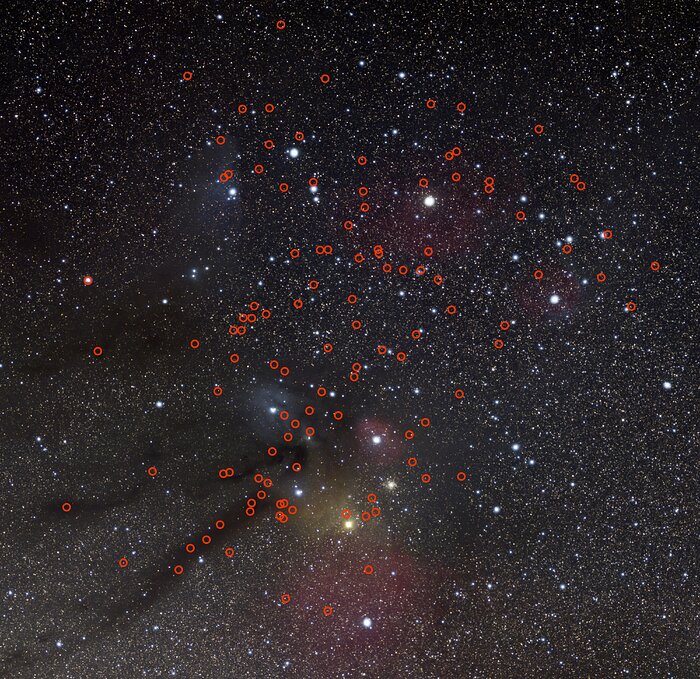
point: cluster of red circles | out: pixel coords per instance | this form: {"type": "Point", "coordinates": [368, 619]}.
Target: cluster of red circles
{"type": "Point", "coordinates": [243, 108]}
{"type": "Point", "coordinates": [489, 183]}
{"type": "Point", "coordinates": [294, 424]}
{"type": "Point", "coordinates": [355, 371]}
{"type": "Point", "coordinates": [432, 104]}
{"type": "Point", "coordinates": [281, 505]}
{"type": "Point", "coordinates": [374, 511]}
{"type": "Point", "coordinates": [454, 153]}
{"type": "Point", "coordinates": [576, 180]}
{"type": "Point", "coordinates": [275, 365]}
{"type": "Point", "coordinates": [190, 547]}
{"type": "Point", "coordinates": [409, 434]}
{"type": "Point", "coordinates": [498, 344]}
{"type": "Point", "coordinates": [251, 503]}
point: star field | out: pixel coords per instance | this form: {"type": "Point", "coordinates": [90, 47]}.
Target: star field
{"type": "Point", "coordinates": [349, 340]}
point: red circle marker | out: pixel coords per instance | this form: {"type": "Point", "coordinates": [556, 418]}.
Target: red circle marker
{"type": "Point", "coordinates": [123, 562]}
{"type": "Point", "coordinates": [152, 471]}
{"type": "Point", "coordinates": [187, 75]}
{"type": "Point", "coordinates": [97, 351]}
{"type": "Point", "coordinates": [66, 507]}
{"type": "Point", "coordinates": [87, 280]}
